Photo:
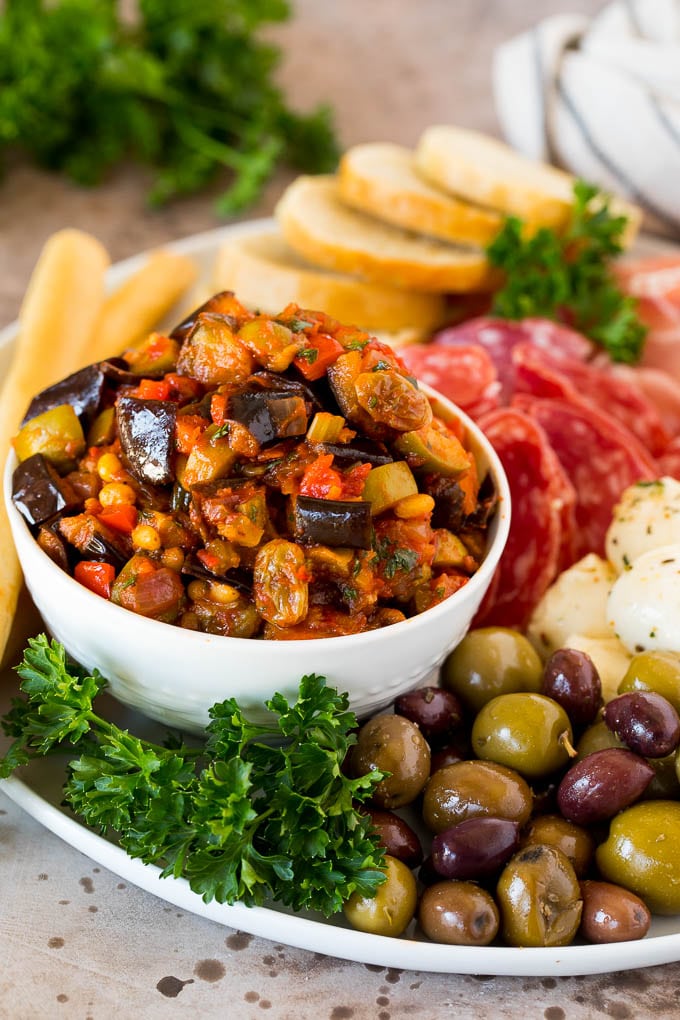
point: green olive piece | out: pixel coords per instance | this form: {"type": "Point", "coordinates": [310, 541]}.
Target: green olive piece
{"type": "Point", "coordinates": [470, 789]}
{"type": "Point", "coordinates": [539, 898]}
{"type": "Point", "coordinates": [390, 911]}
{"type": "Point", "coordinates": [654, 671]}
{"type": "Point", "coordinates": [642, 853]}
{"type": "Point", "coordinates": [393, 744]}
{"type": "Point", "coordinates": [57, 434]}
{"type": "Point", "coordinates": [490, 661]}
{"type": "Point", "coordinates": [527, 732]}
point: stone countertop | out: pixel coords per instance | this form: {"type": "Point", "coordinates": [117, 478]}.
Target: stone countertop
{"type": "Point", "coordinates": [77, 942]}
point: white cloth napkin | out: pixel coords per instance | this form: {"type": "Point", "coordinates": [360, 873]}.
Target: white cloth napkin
{"type": "Point", "coordinates": [601, 98]}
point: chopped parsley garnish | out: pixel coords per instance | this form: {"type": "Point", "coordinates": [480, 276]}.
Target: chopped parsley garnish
{"type": "Point", "coordinates": [310, 354]}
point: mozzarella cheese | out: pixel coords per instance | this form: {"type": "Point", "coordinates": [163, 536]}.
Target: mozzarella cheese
{"type": "Point", "coordinates": [647, 516]}
{"type": "Point", "coordinates": [575, 604]}
{"type": "Point", "coordinates": [643, 608]}
{"type": "Point", "coordinates": [611, 660]}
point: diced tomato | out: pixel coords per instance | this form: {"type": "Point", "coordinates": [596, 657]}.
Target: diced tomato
{"type": "Point", "coordinates": [353, 480]}
{"type": "Point", "coordinates": [153, 389]}
{"type": "Point", "coordinates": [96, 576]}
{"type": "Point", "coordinates": [469, 483]}
{"type": "Point", "coordinates": [188, 430]}
{"type": "Point", "coordinates": [218, 408]}
{"type": "Point", "coordinates": [120, 518]}
{"type": "Point", "coordinates": [182, 387]}
{"type": "Point", "coordinates": [320, 351]}
{"type": "Point", "coordinates": [321, 480]}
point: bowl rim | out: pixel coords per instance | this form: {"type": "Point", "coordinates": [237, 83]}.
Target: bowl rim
{"type": "Point", "coordinates": [481, 448]}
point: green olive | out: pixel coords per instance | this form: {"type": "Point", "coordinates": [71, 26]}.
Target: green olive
{"type": "Point", "coordinates": [389, 912]}
{"type": "Point", "coordinates": [596, 738]}
{"type": "Point", "coordinates": [470, 789]}
{"type": "Point", "coordinates": [539, 898]}
{"type": "Point", "coordinates": [642, 853]}
{"type": "Point", "coordinates": [527, 732]}
{"type": "Point", "coordinates": [654, 671]}
{"type": "Point", "coordinates": [666, 783]}
{"type": "Point", "coordinates": [574, 841]}
{"type": "Point", "coordinates": [458, 914]}
{"type": "Point", "coordinates": [392, 744]}
{"type": "Point", "coordinates": [490, 661]}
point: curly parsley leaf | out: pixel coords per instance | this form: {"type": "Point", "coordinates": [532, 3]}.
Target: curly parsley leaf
{"type": "Point", "coordinates": [568, 276]}
{"type": "Point", "coordinates": [260, 811]}
{"type": "Point", "coordinates": [186, 88]}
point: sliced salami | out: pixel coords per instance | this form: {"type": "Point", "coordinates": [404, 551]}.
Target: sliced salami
{"type": "Point", "coordinates": [532, 554]}
{"type": "Point", "coordinates": [499, 336]}
{"type": "Point", "coordinates": [600, 456]}
{"type": "Point", "coordinates": [669, 461]}
{"type": "Point", "coordinates": [546, 373]}
{"type": "Point", "coordinates": [465, 374]}
{"type": "Point", "coordinates": [655, 282]}
{"type": "Point", "coordinates": [660, 389]}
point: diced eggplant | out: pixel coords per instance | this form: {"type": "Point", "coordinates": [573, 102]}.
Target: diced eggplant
{"type": "Point", "coordinates": [283, 381]}
{"type": "Point", "coordinates": [147, 430]}
{"type": "Point", "coordinates": [448, 502]}
{"type": "Point", "coordinates": [239, 579]}
{"type": "Point", "coordinates": [221, 303]}
{"type": "Point", "coordinates": [93, 540]}
{"type": "Point", "coordinates": [82, 390]}
{"type": "Point", "coordinates": [51, 543]}
{"type": "Point", "coordinates": [36, 491]}
{"type": "Point", "coordinates": [118, 372]}
{"type": "Point", "coordinates": [269, 414]}
{"type": "Point", "coordinates": [333, 522]}
{"type": "Point", "coordinates": [364, 451]}
{"type": "Point", "coordinates": [487, 501]}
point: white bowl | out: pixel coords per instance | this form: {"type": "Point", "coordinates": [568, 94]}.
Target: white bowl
{"type": "Point", "coordinates": [175, 675]}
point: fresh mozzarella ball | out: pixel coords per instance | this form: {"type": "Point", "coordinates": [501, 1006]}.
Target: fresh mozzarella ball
{"type": "Point", "coordinates": [644, 604]}
{"type": "Point", "coordinates": [611, 660]}
{"type": "Point", "coordinates": [646, 516]}
{"type": "Point", "coordinates": [575, 604]}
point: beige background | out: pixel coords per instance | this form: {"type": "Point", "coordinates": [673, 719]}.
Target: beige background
{"type": "Point", "coordinates": [75, 941]}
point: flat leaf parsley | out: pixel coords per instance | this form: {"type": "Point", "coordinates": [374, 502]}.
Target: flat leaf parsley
{"type": "Point", "coordinates": [259, 812]}
{"type": "Point", "coordinates": [568, 276]}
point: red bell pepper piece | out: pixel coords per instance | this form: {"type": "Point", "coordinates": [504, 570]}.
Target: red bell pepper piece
{"type": "Point", "coordinates": [96, 576]}
{"type": "Point", "coordinates": [121, 518]}
{"type": "Point", "coordinates": [153, 389]}
{"type": "Point", "coordinates": [320, 351]}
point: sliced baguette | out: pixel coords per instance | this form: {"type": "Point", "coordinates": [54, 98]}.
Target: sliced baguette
{"type": "Point", "coordinates": [483, 170]}
{"type": "Point", "coordinates": [265, 273]}
{"type": "Point", "coordinates": [322, 229]}
{"type": "Point", "coordinates": [381, 179]}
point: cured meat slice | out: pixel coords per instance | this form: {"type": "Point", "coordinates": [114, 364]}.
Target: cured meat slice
{"type": "Point", "coordinates": [552, 374]}
{"type": "Point", "coordinates": [465, 374]}
{"type": "Point", "coordinates": [655, 282]}
{"type": "Point", "coordinates": [600, 456]}
{"type": "Point", "coordinates": [499, 336]}
{"type": "Point", "coordinates": [660, 389]}
{"type": "Point", "coordinates": [669, 461]}
{"type": "Point", "coordinates": [534, 548]}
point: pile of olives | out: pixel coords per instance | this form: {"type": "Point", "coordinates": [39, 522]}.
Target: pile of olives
{"type": "Point", "coordinates": [548, 816]}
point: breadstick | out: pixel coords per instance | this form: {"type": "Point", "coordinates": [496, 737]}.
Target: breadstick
{"type": "Point", "coordinates": [132, 311]}
{"type": "Point", "coordinates": [57, 317]}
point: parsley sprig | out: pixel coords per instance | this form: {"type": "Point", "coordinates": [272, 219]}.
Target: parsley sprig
{"type": "Point", "coordinates": [186, 88]}
{"type": "Point", "coordinates": [568, 276]}
{"type": "Point", "coordinates": [260, 811]}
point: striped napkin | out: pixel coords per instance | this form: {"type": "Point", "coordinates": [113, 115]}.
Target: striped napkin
{"type": "Point", "coordinates": [601, 98]}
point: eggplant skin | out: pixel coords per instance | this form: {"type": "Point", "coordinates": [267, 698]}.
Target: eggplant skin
{"type": "Point", "coordinates": [83, 390]}
{"type": "Point", "coordinates": [333, 522]}
{"type": "Point", "coordinates": [146, 429]}
{"type": "Point", "coordinates": [36, 492]}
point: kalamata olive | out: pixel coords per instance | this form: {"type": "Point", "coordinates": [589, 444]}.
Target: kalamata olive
{"type": "Point", "coordinates": [490, 661]}
{"type": "Point", "coordinates": [437, 713]}
{"type": "Point", "coordinates": [396, 836]}
{"type": "Point", "coordinates": [571, 678]}
{"type": "Point", "coordinates": [645, 721]}
{"type": "Point", "coordinates": [395, 745]}
{"type": "Point", "coordinates": [596, 738]}
{"type": "Point", "coordinates": [602, 784]}
{"type": "Point", "coordinates": [612, 913]}
{"type": "Point", "coordinates": [642, 853]}
{"type": "Point", "coordinates": [539, 898]}
{"type": "Point", "coordinates": [389, 912]}
{"type": "Point", "coordinates": [448, 755]}
{"type": "Point", "coordinates": [574, 841]}
{"type": "Point", "coordinates": [427, 874]}
{"type": "Point", "coordinates": [470, 789]}
{"type": "Point", "coordinates": [525, 731]}
{"type": "Point", "coordinates": [475, 847]}
{"type": "Point", "coordinates": [458, 914]}
{"type": "Point", "coordinates": [654, 671]}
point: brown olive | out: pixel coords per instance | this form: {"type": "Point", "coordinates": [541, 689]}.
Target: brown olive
{"type": "Point", "coordinates": [396, 836]}
{"type": "Point", "coordinates": [539, 898]}
{"type": "Point", "coordinates": [459, 914]}
{"type": "Point", "coordinates": [468, 789]}
{"type": "Point", "coordinates": [393, 744]}
{"type": "Point", "coordinates": [389, 912]}
{"type": "Point", "coordinates": [612, 913]}
{"type": "Point", "coordinates": [575, 842]}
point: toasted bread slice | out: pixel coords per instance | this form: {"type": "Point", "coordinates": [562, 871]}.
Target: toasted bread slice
{"type": "Point", "coordinates": [266, 274]}
{"type": "Point", "coordinates": [483, 170]}
{"type": "Point", "coordinates": [322, 229]}
{"type": "Point", "coordinates": [381, 179]}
